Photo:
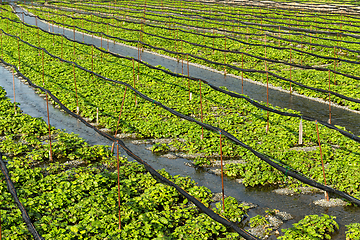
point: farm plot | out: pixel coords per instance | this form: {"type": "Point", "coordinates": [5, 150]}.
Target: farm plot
{"type": "Point", "coordinates": [97, 84]}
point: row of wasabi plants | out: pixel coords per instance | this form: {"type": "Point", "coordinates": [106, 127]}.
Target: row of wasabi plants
{"type": "Point", "coordinates": [67, 202]}
{"type": "Point", "coordinates": [79, 200]}
{"type": "Point", "coordinates": [180, 26]}
{"type": "Point", "coordinates": [147, 120]}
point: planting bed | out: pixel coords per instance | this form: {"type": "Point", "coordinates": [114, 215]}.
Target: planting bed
{"type": "Point", "coordinates": [123, 96]}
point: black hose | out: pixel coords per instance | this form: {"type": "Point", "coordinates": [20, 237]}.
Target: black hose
{"type": "Point", "coordinates": [151, 170]}
{"type": "Point", "coordinates": [207, 126]}
{"type": "Point", "coordinates": [12, 190]}
{"type": "Point", "coordinates": [256, 104]}
{"type": "Point", "coordinates": [241, 69]}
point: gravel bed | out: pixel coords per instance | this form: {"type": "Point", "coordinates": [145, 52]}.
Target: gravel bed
{"type": "Point", "coordinates": [302, 190]}
{"type": "Point", "coordinates": [333, 202]}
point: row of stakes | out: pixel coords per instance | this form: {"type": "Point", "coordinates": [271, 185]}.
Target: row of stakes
{"type": "Point", "coordinates": [190, 96]}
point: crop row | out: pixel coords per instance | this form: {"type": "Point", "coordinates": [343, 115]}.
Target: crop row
{"type": "Point", "coordinates": [246, 55]}
{"type": "Point", "coordinates": [147, 120]}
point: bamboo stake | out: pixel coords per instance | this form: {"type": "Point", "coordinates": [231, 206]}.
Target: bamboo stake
{"type": "Point", "coordinates": [97, 115]}
{"type": "Point", "coordinates": [18, 52]}
{"type": "Point", "coordinates": [107, 32]}
{"type": "Point", "coordinates": [1, 34]}
{"type": "Point", "coordinates": [322, 162]}
{"type": "Point", "coordinates": [176, 41]}
{"type": "Point", "coordinates": [310, 40]}
{"type": "Point", "coordinates": [301, 49]}
{"type": "Point", "coordinates": [202, 128]}
{"type": "Point", "coordinates": [213, 40]}
{"type": "Point", "coordinates": [82, 25]}
{"type": "Point", "coordinates": [14, 91]}
{"type": "Point", "coordinates": [242, 73]}
{"type": "Point", "coordinates": [47, 106]}
{"type": "Point", "coordinates": [329, 101]}
{"type": "Point", "coordinates": [222, 175]}
{"type": "Point", "coordinates": [267, 89]}
{"type": "Point", "coordinates": [290, 73]}
{"type": "Point", "coordinates": [74, 42]}
{"type": "Point", "coordinates": [62, 39]}
{"type": "Point", "coordinates": [118, 122]}
{"type": "Point", "coordinates": [38, 37]}
{"type": "Point", "coordinates": [182, 59]}
{"type": "Point", "coordinates": [225, 58]}
{"type": "Point", "coordinates": [92, 61]}
{"type": "Point", "coordinates": [21, 28]}
{"type": "Point", "coordinates": [335, 66]}
{"type": "Point", "coordinates": [77, 102]}
{"type": "Point", "coordinates": [118, 175]}
{"type": "Point", "coordinates": [188, 73]}
{"type": "Point", "coordinates": [133, 62]}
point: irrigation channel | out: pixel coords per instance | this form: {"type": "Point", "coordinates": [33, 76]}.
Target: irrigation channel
{"type": "Point", "coordinates": [298, 205]}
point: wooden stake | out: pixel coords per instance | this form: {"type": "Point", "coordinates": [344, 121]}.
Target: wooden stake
{"type": "Point", "coordinates": [82, 25]}
{"type": "Point", "coordinates": [92, 61]}
{"type": "Point", "coordinates": [19, 51]}
{"type": "Point", "coordinates": [133, 62]}
{"type": "Point", "coordinates": [242, 73]}
{"type": "Point", "coordinates": [14, 90]}
{"type": "Point", "coordinates": [97, 115]}
{"type": "Point", "coordinates": [267, 88]}
{"type": "Point", "coordinates": [213, 41]}
{"type": "Point", "coordinates": [202, 128]}
{"type": "Point", "coordinates": [301, 49]}
{"type": "Point", "coordinates": [182, 59]}
{"type": "Point", "coordinates": [77, 102]}
{"type": "Point", "coordinates": [322, 162]}
{"type": "Point", "coordinates": [74, 42]}
{"type": "Point", "coordinates": [62, 39]}
{"type": "Point", "coordinates": [107, 32]}
{"type": "Point", "coordinates": [222, 175]}
{"type": "Point", "coordinates": [118, 175]}
{"type": "Point", "coordinates": [329, 101]}
{"type": "Point", "coordinates": [225, 58]}
{"type": "Point", "coordinates": [335, 65]}
{"type": "Point", "coordinates": [310, 40]}
{"type": "Point", "coordinates": [118, 122]}
{"type": "Point", "coordinates": [187, 59]}
{"type": "Point", "coordinates": [290, 73]}
{"type": "Point", "coordinates": [47, 106]}
{"type": "Point", "coordinates": [176, 42]}
{"type": "Point", "coordinates": [1, 34]}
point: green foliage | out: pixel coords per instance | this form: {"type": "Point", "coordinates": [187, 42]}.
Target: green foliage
{"type": "Point", "coordinates": [82, 203]}
{"type": "Point", "coordinates": [238, 117]}
{"type": "Point", "coordinates": [234, 211]}
{"type": "Point", "coordinates": [160, 148]}
{"type": "Point", "coordinates": [312, 227]}
{"type": "Point", "coordinates": [258, 221]}
{"type": "Point", "coordinates": [353, 231]}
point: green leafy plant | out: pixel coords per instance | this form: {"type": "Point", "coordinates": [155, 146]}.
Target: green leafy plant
{"type": "Point", "coordinates": [160, 148]}
{"type": "Point", "coordinates": [353, 231]}
{"type": "Point", "coordinates": [312, 227]}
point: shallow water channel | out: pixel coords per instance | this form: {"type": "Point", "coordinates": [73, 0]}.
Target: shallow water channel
{"type": "Point", "coordinates": [297, 205]}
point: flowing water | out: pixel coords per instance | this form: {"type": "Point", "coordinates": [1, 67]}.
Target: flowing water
{"type": "Point", "coordinates": [298, 205]}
